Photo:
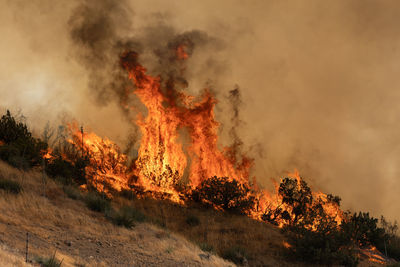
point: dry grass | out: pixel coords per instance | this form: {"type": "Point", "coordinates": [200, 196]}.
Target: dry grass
{"type": "Point", "coordinates": [55, 222]}
{"type": "Point", "coordinates": [7, 258]}
{"type": "Point", "coordinates": [219, 231]}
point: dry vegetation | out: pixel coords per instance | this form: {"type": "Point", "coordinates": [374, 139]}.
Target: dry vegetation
{"type": "Point", "coordinates": [8, 258]}
{"type": "Point", "coordinates": [219, 232]}
{"type": "Point", "coordinates": [80, 236]}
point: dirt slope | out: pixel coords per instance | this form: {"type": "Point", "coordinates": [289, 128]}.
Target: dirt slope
{"type": "Point", "coordinates": [80, 236]}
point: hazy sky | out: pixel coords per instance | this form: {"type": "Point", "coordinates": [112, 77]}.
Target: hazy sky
{"type": "Point", "coordinates": [319, 80]}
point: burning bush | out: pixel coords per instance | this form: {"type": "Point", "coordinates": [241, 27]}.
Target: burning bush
{"type": "Point", "coordinates": [17, 146]}
{"type": "Point", "coordinates": [225, 194]}
{"type": "Point", "coordinates": [365, 230]}
{"type": "Point", "coordinates": [297, 205]}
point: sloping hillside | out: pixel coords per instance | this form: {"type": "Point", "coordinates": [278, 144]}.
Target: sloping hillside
{"type": "Point", "coordinates": [56, 223]}
{"type": "Point", "coordinates": [59, 225]}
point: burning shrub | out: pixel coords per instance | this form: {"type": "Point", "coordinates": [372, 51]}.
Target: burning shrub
{"type": "Point", "coordinates": [18, 147]}
{"type": "Point", "coordinates": [365, 230]}
{"type": "Point", "coordinates": [310, 223]}
{"type": "Point", "coordinates": [296, 195]}
{"type": "Point", "coordinates": [298, 205]}
{"type": "Point", "coordinates": [225, 194]}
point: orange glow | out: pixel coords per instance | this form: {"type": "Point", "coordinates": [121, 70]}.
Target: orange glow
{"type": "Point", "coordinates": [373, 255]}
{"type": "Point", "coordinates": [181, 52]}
{"type": "Point", "coordinates": [162, 161]}
{"type": "Point", "coordinates": [286, 244]}
{"type": "Point", "coordinates": [47, 154]}
{"type": "Point", "coordinates": [107, 165]}
{"type": "Point", "coordinates": [167, 159]}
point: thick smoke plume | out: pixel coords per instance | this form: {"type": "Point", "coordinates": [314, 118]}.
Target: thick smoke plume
{"type": "Point", "coordinates": [318, 81]}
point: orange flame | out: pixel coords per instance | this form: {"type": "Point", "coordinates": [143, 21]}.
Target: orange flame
{"type": "Point", "coordinates": [162, 159]}
{"type": "Point", "coordinates": [181, 52]}
{"type": "Point", "coordinates": [165, 156]}
{"type": "Point", "coordinates": [107, 165]}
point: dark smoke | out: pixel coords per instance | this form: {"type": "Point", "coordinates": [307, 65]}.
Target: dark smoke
{"type": "Point", "coordinates": [96, 28]}
{"type": "Point", "coordinates": [237, 143]}
{"type": "Point", "coordinates": [103, 30]}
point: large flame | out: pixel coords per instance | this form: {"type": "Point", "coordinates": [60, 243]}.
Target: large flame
{"type": "Point", "coordinates": [162, 158]}
{"type": "Point", "coordinates": [179, 144]}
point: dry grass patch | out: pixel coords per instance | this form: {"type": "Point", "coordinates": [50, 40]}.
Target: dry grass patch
{"type": "Point", "coordinates": [81, 236]}
{"type": "Point", "coordinates": [7, 258]}
{"type": "Point", "coordinates": [226, 234]}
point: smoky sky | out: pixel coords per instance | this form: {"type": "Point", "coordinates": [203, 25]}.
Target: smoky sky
{"type": "Point", "coordinates": [318, 80]}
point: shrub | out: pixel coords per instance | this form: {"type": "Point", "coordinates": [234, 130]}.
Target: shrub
{"type": "Point", "coordinates": [128, 194]}
{"type": "Point", "coordinates": [19, 148]}
{"type": "Point", "coordinates": [72, 192]}
{"type": "Point", "coordinates": [363, 229]}
{"type": "Point", "coordinates": [314, 236]}
{"type": "Point", "coordinates": [192, 220]}
{"type": "Point", "coordinates": [322, 246]}
{"type": "Point", "coordinates": [97, 202]}
{"type": "Point", "coordinates": [50, 261]}
{"type": "Point", "coordinates": [125, 216]}
{"type": "Point", "coordinates": [225, 194]}
{"type": "Point", "coordinates": [71, 171]}
{"type": "Point", "coordinates": [206, 247]}
{"type": "Point", "coordinates": [10, 186]}
{"type": "Point", "coordinates": [393, 248]}
{"type": "Point", "coordinates": [236, 254]}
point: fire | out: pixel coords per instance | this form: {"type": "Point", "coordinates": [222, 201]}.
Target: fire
{"type": "Point", "coordinates": [107, 165]}
{"type": "Point", "coordinates": [162, 159]}
{"type": "Point", "coordinates": [374, 255]}
{"type": "Point", "coordinates": [179, 144]}
{"type": "Point", "coordinates": [181, 52]}
{"type": "Point", "coordinates": [47, 154]}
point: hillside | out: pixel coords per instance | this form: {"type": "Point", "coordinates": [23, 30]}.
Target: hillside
{"type": "Point", "coordinates": [80, 236]}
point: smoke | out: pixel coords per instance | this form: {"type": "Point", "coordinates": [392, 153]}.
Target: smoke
{"type": "Point", "coordinates": [318, 80]}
